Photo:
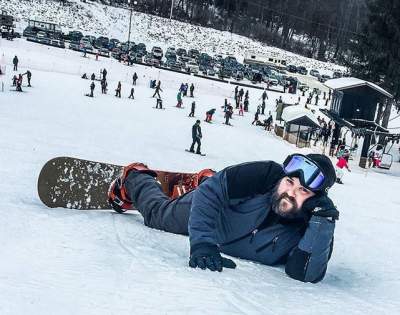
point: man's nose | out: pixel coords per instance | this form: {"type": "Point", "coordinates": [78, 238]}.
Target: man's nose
{"type": "Point", "coordinates": [291, 192]}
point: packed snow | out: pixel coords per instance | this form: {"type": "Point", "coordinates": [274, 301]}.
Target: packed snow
{"type": "Point", "coordinates": [59, 261]}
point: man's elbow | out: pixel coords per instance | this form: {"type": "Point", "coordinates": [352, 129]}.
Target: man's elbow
{"type": "Point", "coordinates": [297, 267]}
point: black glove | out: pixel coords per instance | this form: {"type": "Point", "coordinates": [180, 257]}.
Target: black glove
{"type": "Point", "coordinates": [207, 256]}
{"type": "Point", "coordinates": [321, 206]}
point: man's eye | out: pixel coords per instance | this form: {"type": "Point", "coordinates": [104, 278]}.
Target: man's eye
{"type": "Point", "coordinates": [289, 180]}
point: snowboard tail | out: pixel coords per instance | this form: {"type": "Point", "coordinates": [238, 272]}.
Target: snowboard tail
{"type": "Point", "coordinates": [68, 182]}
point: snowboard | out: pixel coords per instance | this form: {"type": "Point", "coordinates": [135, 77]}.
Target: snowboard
{"type": "Point", "coordinates": [74, 183]}
{"type": "Point", "coordinates": [201, 154]}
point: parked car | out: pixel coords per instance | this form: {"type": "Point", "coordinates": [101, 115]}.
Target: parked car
{"type": "Point", "coordinates": [211, 72]}
{"type": "Point", "coordinates": [29, 31]}
{"type": "Point", "coordinates": [323, 78]}
{"type": "Point", "coordinates": [101, 42]}
{"type": "Point", "coordinates": [74, 36]}
{"type": "Point", "coordinates": [291, 68]}
{"type": "Point", "coordinates": [41, 34]}
{"type": "Point", "coordinates": [193, 53]}
{"type": "Point", "coordinates": [337, 74]}
{"type": "Point", "coordinates": [157, 52]}
{"type": "Point", "coordinates": [239, 75]}
{"type": "Point", "coordinates": [192, 67]}
{"type": "Point", "coordinates": [314, 73]}
{"type": "Point", "coordinates": [181, 52]}
{"type": "Point", "coordinates": [302, 70]}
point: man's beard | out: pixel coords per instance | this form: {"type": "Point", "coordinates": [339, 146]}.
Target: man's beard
{"type": "Point", "coordinates": [278, 207]}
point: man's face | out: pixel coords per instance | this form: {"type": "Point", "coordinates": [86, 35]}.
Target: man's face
{"type": "Point", "coordinates": [289, 196]}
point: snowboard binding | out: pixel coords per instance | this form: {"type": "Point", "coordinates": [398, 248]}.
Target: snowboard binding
{"type": "Point", "coordinates": [117, 194]}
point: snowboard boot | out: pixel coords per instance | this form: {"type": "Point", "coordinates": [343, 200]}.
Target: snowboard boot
{"type": "Point", "coordinates": [117, 194]}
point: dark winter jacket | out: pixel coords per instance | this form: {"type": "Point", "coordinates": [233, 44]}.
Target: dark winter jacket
{"type": "Point", "coordinates": [196, 131]}
{"type": "Point", "coordinates": [232, 209]}
{"type": "Point", "coordinates": [15, 60]}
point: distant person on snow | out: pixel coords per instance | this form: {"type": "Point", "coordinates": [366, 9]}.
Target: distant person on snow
{"type": "Point", "coordinates": [159, 103]}
{"type": "Point", "coordinates": [92, 86]}
{"type": "Point", "coordinates": [191, 90]}
{"type": "Point", "coordinates": [103, 86]}
{"type": "Point", "coordinates": [132, 96]}
{"type": "Point", "coordinates": [209, 115]}
{"type": "Point", "coordinates": [104, 74]}
{"type": "Point", "coordinates": [192, 109]}
{"type": "Point", "coordinates": [341, 164]}
{"type": "Point", "coordinates": [261, 211]}
{"type": "Point", "coordinates": [118, 90]}
{"type": "Point", "coordinates": [158, 89]}
{"type": "Point", "coordinates": [196, 136]}
{"type": "Point", "coordinates": [29, 77]}
{"type": "Point", "coordinates": [134, 78]}
{"type": "Point", "coordinates": [179, 99]}
{"type": "Point", "coordinates": [15, 63]}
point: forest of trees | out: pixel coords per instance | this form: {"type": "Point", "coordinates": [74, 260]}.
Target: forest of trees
{"type": "Point", "coordinates": [314, 28]}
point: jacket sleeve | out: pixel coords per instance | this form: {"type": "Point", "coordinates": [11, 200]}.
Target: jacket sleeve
{"type": "Point", "coordinates": [215, 194]}
{"type": "Point", "coordinates": [308, 261]}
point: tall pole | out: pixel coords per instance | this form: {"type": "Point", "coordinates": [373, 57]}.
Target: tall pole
{"type": "Point", "coordinates": [172, 8]}
{"type": "Point", "coordinates": [130, 23]}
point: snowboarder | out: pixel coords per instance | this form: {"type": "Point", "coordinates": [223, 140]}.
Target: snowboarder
{"type": "Point", "coordinates": [19, 83]}
{"type": "Point", "coordinates": [236, 95]}
{"type": "Point", "coordinates": [14, 80]}
{"type": "Point", "coordinates": [93, 77]}
{"type": "Point", "coordinates": [15, 63]}
{"type": "Point", "coordinates": [246, 96]}
{"type": "Point", "coordinates": [185, 90]}
{"type": "Point", "coordinates": [118, 90]}
{"type": "Point", "coordinates": [104, 74]}
{"type": "Point", "coordinates": [179, 99]}
{"type": "Point", "coordinates": [196, 136]}
{"type": "Point", "coordinates": [29, 77]}
{"type": "Point", "coordinates": [92, 86]}
{"type": "Point", "coordinates": [264, 96]}
{"type": "Point", "coordinates": [192, 109]}
{"type": "Point", "coordinates": [158, 89]}
{"type": "Point", "coordinates": [316, 99]}
{"type": "Point", "coordinates": [261, 211]}
{"type": "Point", "coordinates": [209, 115]}
{"type": "Point", "coordinates": [134, 78]}
{"type": "Point", "coordinates": [159, 103]}
{"type": "Point", "coordinates": [132, 96]}
{"type": "Point", "coordinates": [191, 90]}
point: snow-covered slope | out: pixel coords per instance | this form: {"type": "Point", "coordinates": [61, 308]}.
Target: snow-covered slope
{"type": "Point", "coordinates": [56, 261]}
{"type": "Point", "coordinates": [94, 18]}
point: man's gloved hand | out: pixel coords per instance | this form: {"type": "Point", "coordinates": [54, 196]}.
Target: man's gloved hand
{"type": "Point", "coordinates": [207, 256]}
{"type": "Point", "coordinates": [321, 206]}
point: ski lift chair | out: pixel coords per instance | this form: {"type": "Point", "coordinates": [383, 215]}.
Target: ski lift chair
{"type": "Point", "coordinates": [386, 161]}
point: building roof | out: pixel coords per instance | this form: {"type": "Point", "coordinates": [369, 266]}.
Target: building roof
{"type": "Point", "coordinates": [296, 114]}
{"type": "Point", "coordinates": [349, 83]}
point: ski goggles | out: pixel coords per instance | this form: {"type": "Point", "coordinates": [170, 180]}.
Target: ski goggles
{"type": "Point", "coordinates": [310, 175]}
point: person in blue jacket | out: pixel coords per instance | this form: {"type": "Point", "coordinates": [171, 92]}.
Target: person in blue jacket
{"type": "Point", "coordinates": [261, 211]}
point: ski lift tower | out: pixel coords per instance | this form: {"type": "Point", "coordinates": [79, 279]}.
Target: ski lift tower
{"type": "Point", "coordinates": [354, 105]}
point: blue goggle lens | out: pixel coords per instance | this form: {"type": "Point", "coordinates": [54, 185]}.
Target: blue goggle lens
{"type": "Point", "coordinates": [313, 178]}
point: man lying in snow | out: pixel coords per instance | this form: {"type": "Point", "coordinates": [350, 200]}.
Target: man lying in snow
{"type": "Point", "coordinates": [262, 211]}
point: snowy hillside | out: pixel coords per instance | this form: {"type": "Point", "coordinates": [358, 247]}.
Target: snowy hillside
{"type": "Point", "coordinates": [56, 261]}
{"type": "Point", "coordinates": [96, 19]}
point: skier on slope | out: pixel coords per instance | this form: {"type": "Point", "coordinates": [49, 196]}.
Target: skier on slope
{"type": "Point", "coordinates": [261, 211]}
{"type": "Point", "coordinates": [179, 99]}
{"type": "Point", "coordinates": [209, 115]}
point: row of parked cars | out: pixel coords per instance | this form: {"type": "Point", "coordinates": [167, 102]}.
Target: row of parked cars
{"type": "Point", "coordinates": [177, 59]}
{"type": "Point", "coordinates": [314, 73]}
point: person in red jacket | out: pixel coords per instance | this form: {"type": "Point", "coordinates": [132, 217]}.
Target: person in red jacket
{"type": "Point", "coordinates": [341, 164]}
